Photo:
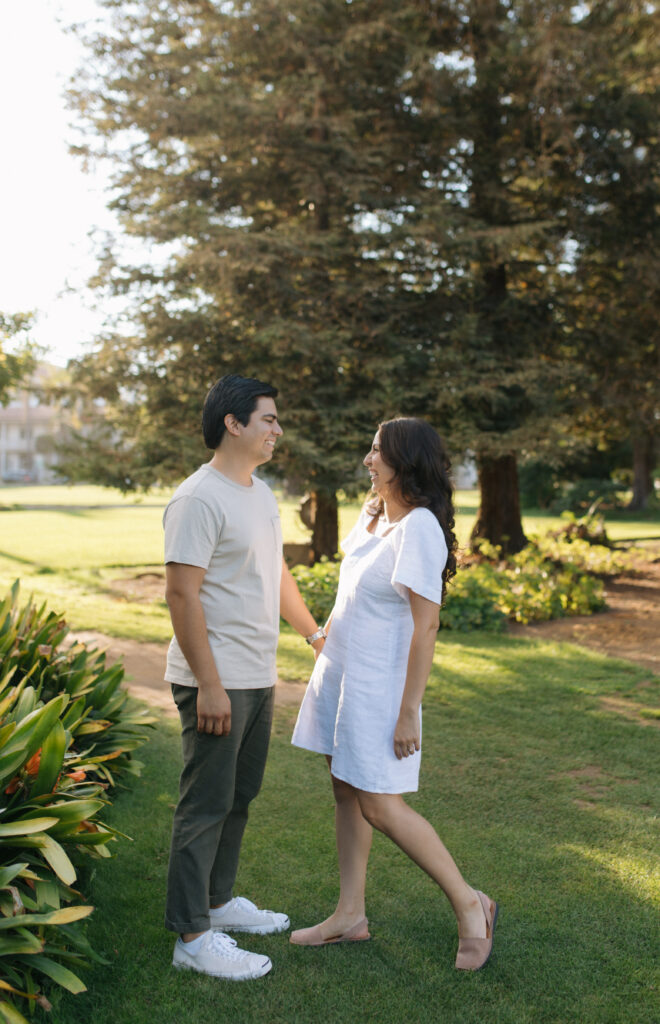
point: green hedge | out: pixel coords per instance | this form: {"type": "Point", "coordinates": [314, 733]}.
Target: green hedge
{"type": "Point", "coordinates": [66, 738]}
{"type": "Point", "coordinates": [554, 576]}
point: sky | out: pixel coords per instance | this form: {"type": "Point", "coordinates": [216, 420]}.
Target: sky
{"type": "Point", "coordinates": [48, 205]}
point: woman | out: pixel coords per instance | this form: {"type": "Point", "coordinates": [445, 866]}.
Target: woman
{"type": "Point", "coordinates": [362, 708]}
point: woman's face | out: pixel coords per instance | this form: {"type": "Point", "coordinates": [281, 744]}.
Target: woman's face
{"type": "Point", "coordinates": [380, 473]}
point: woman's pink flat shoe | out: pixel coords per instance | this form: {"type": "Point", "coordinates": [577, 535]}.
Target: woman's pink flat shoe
{"type": "Point", "coordinates": [312, 936]}
{"type": "Point", "coordinates": [474, 953]}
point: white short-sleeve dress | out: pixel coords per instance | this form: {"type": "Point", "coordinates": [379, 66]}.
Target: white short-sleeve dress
{"type": "Point", "coordinates": [353, 698]}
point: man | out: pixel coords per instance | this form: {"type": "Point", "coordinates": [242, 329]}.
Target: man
{"type": "Point", "coordinates": [226, 587]}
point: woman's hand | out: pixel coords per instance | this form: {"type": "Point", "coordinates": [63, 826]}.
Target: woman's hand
{"type": "Point", "coordinates": [406, 734]}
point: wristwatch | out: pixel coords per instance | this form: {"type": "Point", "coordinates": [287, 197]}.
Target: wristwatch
{"type": "Point", "coordinates": [316, 636]}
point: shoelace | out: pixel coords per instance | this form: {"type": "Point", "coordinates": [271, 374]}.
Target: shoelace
{"type": "Point", "coordinates": [222, 945]}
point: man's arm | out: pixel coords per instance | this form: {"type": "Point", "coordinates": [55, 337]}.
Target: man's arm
{"type": "Point", "coordinates": [294, 610]}
{"type": "Point", "coordinates": [183, 583]}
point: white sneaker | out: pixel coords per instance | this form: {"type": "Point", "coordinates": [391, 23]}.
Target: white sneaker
{"type": "Point", "coordinates": [219, 956]}
{"type": "Point", "coordinates": [240, 915]}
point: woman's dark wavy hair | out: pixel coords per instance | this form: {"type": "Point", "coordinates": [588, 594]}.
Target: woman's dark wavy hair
{"type": "Point", "coordinates": [413, 449]}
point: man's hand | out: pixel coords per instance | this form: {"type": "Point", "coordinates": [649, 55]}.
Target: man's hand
{"type": "Point", "coordinates": [213, 711]}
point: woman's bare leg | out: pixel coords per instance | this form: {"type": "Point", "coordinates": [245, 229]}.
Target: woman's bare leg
{"type": "Point", "coordinates": [390, 814]}
{"type": "Point", "coordinates": [354, 836]}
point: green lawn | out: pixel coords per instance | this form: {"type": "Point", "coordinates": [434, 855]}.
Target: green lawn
{"type": "Point", "coordinates": [543, 794]}
{"type": "Point", "coordinates": [542, 791]}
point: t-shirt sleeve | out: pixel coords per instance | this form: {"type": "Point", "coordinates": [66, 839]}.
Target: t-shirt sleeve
{"type": "Point", "coordinates": [192, 532]}
{"type": "Point", "coordinates": [421, 556]}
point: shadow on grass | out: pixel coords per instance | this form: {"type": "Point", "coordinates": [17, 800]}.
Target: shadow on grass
{"type": "Point", "coordinates": [541, 795]}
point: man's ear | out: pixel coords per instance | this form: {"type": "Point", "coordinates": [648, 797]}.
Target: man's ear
{"type": "Point", "coordinates": [232, 424]}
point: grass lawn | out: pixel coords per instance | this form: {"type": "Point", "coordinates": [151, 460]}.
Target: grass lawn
{"type": "Point", "coordinates": [544, 796]}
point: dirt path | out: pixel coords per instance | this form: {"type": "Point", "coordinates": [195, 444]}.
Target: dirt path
{"type": "Point", "coordinates": [629, 629]}
{"type": "Point", "coordinates": [144, 664]}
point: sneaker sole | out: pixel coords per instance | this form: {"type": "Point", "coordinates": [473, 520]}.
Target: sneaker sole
{"type": "Point", "coordinates": [248, 976]}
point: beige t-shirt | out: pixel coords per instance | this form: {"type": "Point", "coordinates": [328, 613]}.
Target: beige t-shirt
{"type": "Point", "coordinates": [234, 533]}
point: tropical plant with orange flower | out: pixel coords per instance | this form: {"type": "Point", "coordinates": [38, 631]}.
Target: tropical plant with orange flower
{"type": "Point", "coordinates": [66, 735]}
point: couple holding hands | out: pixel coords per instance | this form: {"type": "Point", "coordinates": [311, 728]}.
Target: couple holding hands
{"type": "Point", "coordinates": [227, 586]}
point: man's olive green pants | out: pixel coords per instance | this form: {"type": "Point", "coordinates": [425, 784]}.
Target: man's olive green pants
{"type": "Point", "coordinates": [221, 775]}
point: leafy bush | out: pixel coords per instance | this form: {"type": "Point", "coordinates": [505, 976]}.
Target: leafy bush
{"type": "Point", "coordinates": [581, 495]}
{"type": "Point", "coordinates": [528, 587]}
{"type": "Point", "coordinates": [318, 586]}
{"type": "Point", "coordinates": [544, 581]}
{"type": "Point", "coordinates": [533, 588]}
{"type": "Point", "coordinates": [65, 737]}
{"type": "Point", "coordinates": [584, 544]}
{"type": "Point", "coordinates": [589, 527]}
{"type": "Point", "coordinates": [471, 601]}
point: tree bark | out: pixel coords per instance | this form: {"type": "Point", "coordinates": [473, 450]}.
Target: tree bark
{"type": "Point", "coordinates": [498, 520]}
{"type": "Point", "coordinates": [319, 513]}
{"type": "Point", "coordinates": [643, 465]}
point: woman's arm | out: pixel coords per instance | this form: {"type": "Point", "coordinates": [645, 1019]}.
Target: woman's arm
{"type": "Point", "coordinates": [426, 622]}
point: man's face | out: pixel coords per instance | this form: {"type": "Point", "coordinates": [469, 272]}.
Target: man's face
{"type": "Point", "coordinates": [262, 431]}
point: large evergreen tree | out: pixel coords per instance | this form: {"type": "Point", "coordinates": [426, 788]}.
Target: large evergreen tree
{"type": "Point", "coordinates": [267, 146]}
{"type": "Point", "coordinates": [614, 217]}
{"type": "Point", "coordinates": [366, 203]}
{"type": "Point", "coordinates": [505, 79]}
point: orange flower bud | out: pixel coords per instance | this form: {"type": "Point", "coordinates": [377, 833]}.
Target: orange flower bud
{"type": "Point", "coordinates": [32, 766]}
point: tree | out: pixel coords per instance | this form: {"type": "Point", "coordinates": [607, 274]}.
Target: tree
{"type": "Point", "coordinates": [366, 203]}
{"type": "Point", "coordinates": [614, 220]}
{"type": "Point", "coordinates": [545, 95]}
{"type": "Point", "coordinates": [17, 354]}
{"type": "Point", "coordinates": [267, 147]}
{"type": "Point", "coordinates": [490, 231]}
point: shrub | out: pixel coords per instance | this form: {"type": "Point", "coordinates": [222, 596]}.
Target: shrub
{"type": "Point", "coordinates": [589, 527]}
{"type": "Point", "coordinates": [62, 721]}
{"type": "Point", "coordinates": [546, 580]}
{"type": "Point", "coordinates": [318, 586]}
{"type": "Point", "coordinates": [581, 495]}
{"type": "Point", "coordinates": [584, 544]}
{"type": "Point", "coordinates": [471, 601]}
{"type": "Point", "coordinates": [535, 588]}
{"type": "Point", "coordinates": [528, 587]}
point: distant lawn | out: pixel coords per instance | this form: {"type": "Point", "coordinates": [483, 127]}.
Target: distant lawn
{"type": "Point", "coordinates": [76, 557]}
{"type": "Point", "coordinates": [89, 495]}
{"type": "Point", "coordinates": [543, 794]}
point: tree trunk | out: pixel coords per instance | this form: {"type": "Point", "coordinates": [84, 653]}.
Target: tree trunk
{"type": "Point", "coordinates": [498, 520]}
{"type": "Point", "coordinates": [319, 513]}
{"type": "Point", "coordinates": [643, 466]}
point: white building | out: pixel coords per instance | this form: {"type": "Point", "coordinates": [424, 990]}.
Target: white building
{"type": "Point", "coordinates": [29, 429]}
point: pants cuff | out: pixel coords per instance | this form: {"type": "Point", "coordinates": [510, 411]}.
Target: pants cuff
{"type": "Point", "coordinates": [198, 924]}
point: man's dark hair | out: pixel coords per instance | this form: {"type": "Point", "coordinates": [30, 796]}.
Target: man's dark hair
{"type": "Point", "coordinates": [235, 395]}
